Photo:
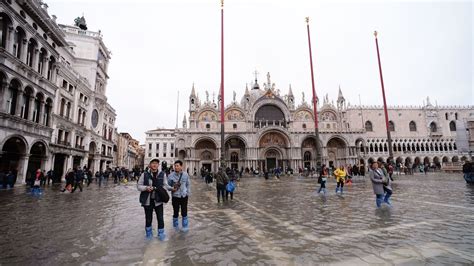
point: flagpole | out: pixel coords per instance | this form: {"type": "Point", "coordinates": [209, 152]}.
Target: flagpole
{"type": "Point", "coordinates": [177, 110]}
{"type": "Point", "coordinates": [315, 108]}
{"type": "Point", "coordinates": [389, 138]}
{"type": "Point", "coordinates": [222, 86]}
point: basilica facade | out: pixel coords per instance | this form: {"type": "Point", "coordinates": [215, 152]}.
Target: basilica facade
{"type": "Point", "coordinates": [266, 129]}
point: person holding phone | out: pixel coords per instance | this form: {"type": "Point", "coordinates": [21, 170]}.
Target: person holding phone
{"type": "Point", "coordinates": [180, 186]}
{"type": "Point", "coordinates": [149, 198]}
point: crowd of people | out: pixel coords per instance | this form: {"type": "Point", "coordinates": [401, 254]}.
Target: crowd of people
{"type": "Point", "coordinates": [7, 179]}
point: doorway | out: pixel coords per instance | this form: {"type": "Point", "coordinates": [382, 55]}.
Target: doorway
{"type": "Point", "coordinates": [208, 166]}
{"type": "Point", "coordinates": [59, 160]}
{"type": "Point", "coordinates": [271, 164]}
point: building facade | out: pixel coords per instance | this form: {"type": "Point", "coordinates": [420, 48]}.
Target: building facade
{"type": "Point", "coordinates": [160, 143]}
{"type": "Point", "coordinates": [265, 130]}
{"type": "Point", "coordinates": [129, 152]}
{"type": "Point", "coordinates": [54, 112]}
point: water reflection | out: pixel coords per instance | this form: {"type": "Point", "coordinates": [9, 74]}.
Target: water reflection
{"type": "Point", "coordinates": [269, 222]}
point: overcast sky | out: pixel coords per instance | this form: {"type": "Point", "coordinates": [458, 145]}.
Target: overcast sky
{"type": "Point", "coordinates": [160, 47]}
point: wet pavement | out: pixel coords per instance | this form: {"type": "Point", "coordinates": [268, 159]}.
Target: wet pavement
{"type": "Point", "coordinates": [277, 222]}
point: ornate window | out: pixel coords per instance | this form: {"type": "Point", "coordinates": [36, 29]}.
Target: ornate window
{"type": "Point", "coordinates": [391, 126]}
{"type": "Point", "coordinates": [368, 126]}
{"type": "Point", "coordinates": [433, 127]}
{"type": "Point", "coordinates": [452, 126]}
{"type": "Point", "coordinates": [269, 115]}
{"type": "Point", "coordinates": [412, 126]}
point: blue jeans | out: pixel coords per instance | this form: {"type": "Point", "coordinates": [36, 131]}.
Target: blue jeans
{"type": "Point", "coordinates": [378, 200]}
{"type": "Point", "coordinates": [323, 187]}
{"type": "Point", "coordinates": [388, 193]}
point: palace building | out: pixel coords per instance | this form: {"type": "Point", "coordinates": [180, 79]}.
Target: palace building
{"type": "Point", "coordinates": [54, 112]}
{"type": "Point", "coordinates": [265, 129]}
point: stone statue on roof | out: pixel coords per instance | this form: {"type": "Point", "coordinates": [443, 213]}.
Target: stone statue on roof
{"type": "Point", "coordinates": [81, 23]}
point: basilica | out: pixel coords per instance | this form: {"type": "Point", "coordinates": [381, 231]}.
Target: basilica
{"type": "Point", "coordinates": [266, 129]}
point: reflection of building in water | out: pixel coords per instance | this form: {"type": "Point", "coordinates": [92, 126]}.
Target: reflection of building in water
{"type": "Point", "coordinates": [267, 130]}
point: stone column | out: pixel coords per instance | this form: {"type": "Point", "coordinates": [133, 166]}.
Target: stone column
{"type": "Point", "coordinates": [49, 162]}
{"type": "Point", "coordinates": [95, 166]}
{"type": "Point", "coordinates": [36, 58]}
{"type": "Point", "coordinates": [10, 39]}
{"type": "Point", "coordinates": [65, 169]}
{"type": "Point", "coordinates": [19, 103]}
{"type": "Point", "coordinates": [22, 168]}
{"type": "Point", "coordinates": [69, 162]}
{"type": "Point", "coordinates": [40, 112]}
{"type": "Point", "coordinates": [31, 108]}
{"type": "Point", "coordinates": [44, 73]}
{"type": "Point", "coordinates": [24, 50]}
{"type": "Point", "coordinates": [3, 102]}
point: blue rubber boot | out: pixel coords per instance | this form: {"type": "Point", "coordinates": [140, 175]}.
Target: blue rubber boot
{"type": "Point", "coordinates": [337, 190]}
{"type": "Point", "coordinates": [149, 232]}
{"type": "Point", "coordinates": [161, 234]}
{"type": "Point", "coordinates": [185, 224]}
{"type": "Point", "coordinates": [342, 190]}
{"type": "Point", "coordinates": [175, 223]}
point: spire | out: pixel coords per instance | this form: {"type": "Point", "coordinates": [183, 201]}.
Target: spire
{"type": "Point", "coordinates": [247, 89]}
{"type": "Point", "coordinates": [256, 86]}
{"type": "Point", "coordinates": [290, 91]}
{"type": "Point", "coordinates": [340, 97]}
{"type": "Point", "coordinates": [184, 121]}
{"type": "Point", "coordinates": [193, 92]}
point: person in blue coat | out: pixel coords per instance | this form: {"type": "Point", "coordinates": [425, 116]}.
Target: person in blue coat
{"type": "Point", "coordinates": [180, 185]}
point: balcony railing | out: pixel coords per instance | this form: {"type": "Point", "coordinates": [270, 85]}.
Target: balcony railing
{"type": "Point", "coordinates": [64, 143]}
{"type": "Point", "coordinates": [436, 134]}
{"type": "Point", "coordinates": [78, 146]}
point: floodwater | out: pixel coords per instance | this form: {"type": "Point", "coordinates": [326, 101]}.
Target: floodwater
{"type": "Point", "coordinates": [277, 222]}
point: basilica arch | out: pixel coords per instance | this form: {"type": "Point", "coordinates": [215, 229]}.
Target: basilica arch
{"type": "Point", "coordinates": [337, 153]}
{"type": "Point", "coordinates": [270, 111]}
{"type": "Point", "coordinates": [273, 149]}
{"type": "Point", "coordinates": [235, 154]}
{"type": "Point", "coordinates": [206, 153]}
{"type": "Point", "coordinates": [308, 152]}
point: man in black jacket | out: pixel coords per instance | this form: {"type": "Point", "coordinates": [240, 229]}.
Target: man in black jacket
{"type": "Point", "coordinates": [79, 177]}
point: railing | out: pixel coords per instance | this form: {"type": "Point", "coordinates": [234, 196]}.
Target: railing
{"type": "Point", "coordinates": [80, 147]}
{"type": "Point", "coordinates": [77, 31]}
{"type": "Point", "coordinates": [64, 143]}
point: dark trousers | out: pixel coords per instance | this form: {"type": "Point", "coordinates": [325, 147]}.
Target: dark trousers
{"type": "Point", "coordinates": [227, 195]}
{"type": "Point", "coordinates": [323, 186]}
{"type": "Point", "coordinates": [180, 203]}
{"type": "Point", "coordinates": [220, 192]}
{"type": "Point", "coordinates": [149, 215]}
{"type": "Point", "coordinates": [340, 184]}
{"type": "Point", "coordinates": [77, 184]}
